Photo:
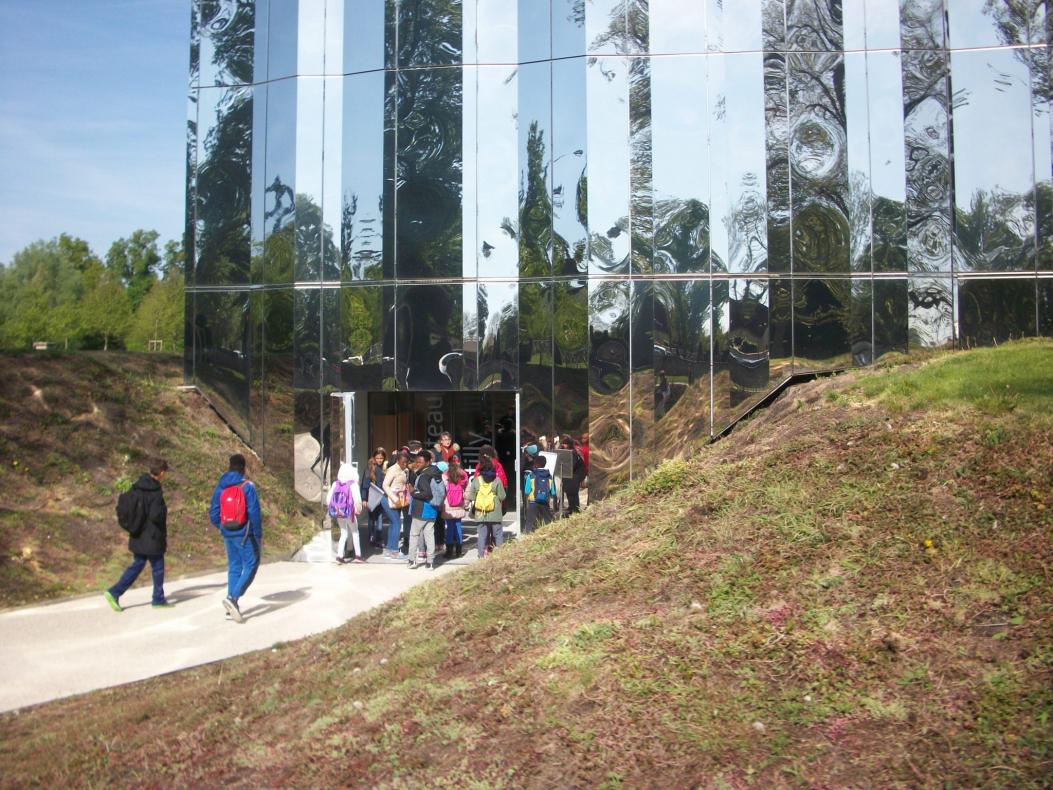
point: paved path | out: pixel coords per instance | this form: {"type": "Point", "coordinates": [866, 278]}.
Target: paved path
{"type": "Point", "coordinates": [78, 645]}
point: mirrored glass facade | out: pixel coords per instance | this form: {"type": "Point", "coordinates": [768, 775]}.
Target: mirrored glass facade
{"type": "Point", "coordinates": [632, 218]}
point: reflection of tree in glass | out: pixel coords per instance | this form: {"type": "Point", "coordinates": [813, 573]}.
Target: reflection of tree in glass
{"type": "Point", "coordinates": [223, 192]}
{"type": "Point", "coordinates": [535, 213]}
{"type": "Point", "coordinates": [229, 26]}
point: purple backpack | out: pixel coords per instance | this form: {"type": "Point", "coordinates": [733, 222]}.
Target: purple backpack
{"type": "Point", "coordinates": [341, 505]}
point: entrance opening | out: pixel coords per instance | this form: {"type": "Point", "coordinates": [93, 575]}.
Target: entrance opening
{"type": "Point", "coordinates": [363, 421]}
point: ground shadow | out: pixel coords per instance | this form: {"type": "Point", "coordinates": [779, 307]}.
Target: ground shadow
{"type": "Point", "coordinates": [276, 601]}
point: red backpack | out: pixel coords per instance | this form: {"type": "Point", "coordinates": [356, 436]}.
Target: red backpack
{"type": "Point", "coordinates": [232, 510]}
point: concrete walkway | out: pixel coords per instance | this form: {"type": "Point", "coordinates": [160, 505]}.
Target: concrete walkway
{"type": "Point", "coordinates": [78, 645]}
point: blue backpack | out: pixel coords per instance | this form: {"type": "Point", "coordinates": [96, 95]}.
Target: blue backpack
{"type": "Point", "coordinates": [542, 484]}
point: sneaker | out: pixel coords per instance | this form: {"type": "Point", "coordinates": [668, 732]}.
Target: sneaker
{"type": "Point", "coordinates": [341, 560]}
{"type": "Point", "coordinates": [413, 565]}
{"type": "Point", "coordinates": [163, 605]}
{"type": "Point", "coordinates": [232, 609]}
{"type": "Point", "coordinates": [396, 557]}
{"type": "Point", "coordinates": [112, 601]}
{"type": "Point", "coordinates": [429, 567]}
{"type": "Point", "coordinates": [357, 561]}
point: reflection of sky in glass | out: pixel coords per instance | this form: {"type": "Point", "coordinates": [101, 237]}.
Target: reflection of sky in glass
{"type": "Point", "coordinates": [858, 130]}
{"type": "Point", "coordinates": [281, 43]}
{"type": "Point", "coordinates": [680, 128]}
{"type": "Point", "coordinates": [854, 20]}
{"type": "Point", "coordinates": [311, 51]}
{"type": "Point", "coordinates": [992, 124]}
{"type": "Point", "coordinates": [363, 35]}
{"type": "Point", "coordinates": [491, 33]}
{"type": "Point", "coordinates": [882, 23]}
{"type": "Point", "coordinates": [608, 126]}
{"type": "Point", "coordinates": [970, 26]}
{"type": "Point", "coordinates": [737, 101]}
{"type": "Point", "coordinates": [602, 18]}
{"type": "Point", "coordinates": [677, 26]}
{"type": "Point", "coordinates": [885, 88]}
{"type": "Point", "coordinates": [309, 139]}
{"type": "Point", "coordinates": [497, 165]}
{"type": "Point", "coordinates": [734, 26]}
{"type": "Point", "coordinates": [281, 148]}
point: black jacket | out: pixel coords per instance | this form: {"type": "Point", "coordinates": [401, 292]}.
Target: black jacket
{"type": "Point", "coordinates": [153, 539]}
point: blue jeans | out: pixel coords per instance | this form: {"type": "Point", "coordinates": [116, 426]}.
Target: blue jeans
{"type": "Point", "coordinates": [453, 531]}
{"type": "Point", "coordinates": [394, 518]}
{"type": "Point", "coordinates": [131, 573]}
{"type": "Point", "coordinates": [243, 559]}
{"type": "Point", "coordinates": [486, 528]}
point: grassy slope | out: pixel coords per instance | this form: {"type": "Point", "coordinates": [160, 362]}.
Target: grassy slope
{"type": "Point", "coordinates": [73, 426]}
{"type": "Point", "coordinates": [854, 590]}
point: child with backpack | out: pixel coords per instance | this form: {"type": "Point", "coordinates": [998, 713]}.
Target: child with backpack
{"type": "Point", "coordinates": [486, 492]}
{"type": "Point", "coordinates": [539, 489]}
{"type": "Point", "coordinates": [345, 504]}
{"type": "Point", "coordinates": [453, 510]}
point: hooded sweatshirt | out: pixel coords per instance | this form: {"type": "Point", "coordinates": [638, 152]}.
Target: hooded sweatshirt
{"type": "Point", "coordinates": [153, 539]}
{"type": "Point", "coordinates": [347, 476]}
{"type": "Point", "coordinates": [252, 502]}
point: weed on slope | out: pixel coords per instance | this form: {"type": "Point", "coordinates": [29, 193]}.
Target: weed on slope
{"type": "Point", "coordinates": [866, 603]}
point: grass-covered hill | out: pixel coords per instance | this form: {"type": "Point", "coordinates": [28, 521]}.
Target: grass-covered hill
{"type": "Point", "coordinates": [74, 429]}
{"type": "Point", "coordinates": [854, 590]}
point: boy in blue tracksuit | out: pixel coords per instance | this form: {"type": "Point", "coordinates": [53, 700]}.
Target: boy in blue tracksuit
{"type": "Point", "coordinates": [242, 540]}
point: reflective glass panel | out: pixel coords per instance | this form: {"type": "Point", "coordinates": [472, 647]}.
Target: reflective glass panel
{"type": "Point", "coordinates": [682, 331]}
{"type": "Point", "coordinates": [641, 189]}
{"type": "Point", "coordinates": [428, 203]}
{"type": "Point", "coordinates": [821, 324]}
{"type": "Point", "coordinates": [279, 212]}
{"type": "Point", "coordinates": [737, 27]}
{"type": "Point", "coordinates": [535, 144]}
{"type": "Point", "coordinates": [429, 337]}
{"type": "Point", "coordinates": [853, 13]}
{"type": "Point", "coordinates": [495, 250]}
{"type": "Point", "coordinates": [569, 176]}
{"type": "Point", "coordinates": [226, 37]}
{"type": "Point", "coordinates": [994, 311]}
{"type": "Point", "coordinates": [495, 38]}
{"type": "Point", "coordinates": [818, 145]}
{"type": "Point", "coordinates": [307, 336]}
{"type": "Point", "coordinates": [364, 28]}
{"type": "Point", "coordinates": [609, 388]}
{"type": "Point", "coordinates": [310, 45]}
{"type": "Point", "coordinates": [987, 23]}
{"type": "Point", "coordinates": [891, 309]}
{"type": "Point", "coordinates": [861, 321]}
{"type": "Point", "coordinates": [857, 133]}
{"type": "Point", "coordinates": [814, 26]}
{"type": "Point", "coordinates": [224, 182]}
{"type": "Point", "coordinates": [642, 310]}
{"type": "Point", "coordinates": [278, 365]}
{"type": "Point", "coordinates": [605, 29]}
{"type": "Point", "coordinates": [927, 139]}
{"type": "Point", "coordinates": [332, 339]}
{"type": "Point", "coordinates": [221, 349]}
{"type": "Point", "coordinates": [257, 393]}
{"type": "Point", "coordinates": [497, 334]}
{"type": "Point", "coordinates": [190, 205]}
{"type": "Point", "coordinates": [608, 209]}
{"type": "Point", "coordinates": [994, 207]}
{"type": "Point", "coordinates": [312, 440]}
{"type": "Point", "coordinates": [882, 24]}
{"type": "Point", "coordinates": [429, 32]}
{"type": "Point", "coordinates": [739, 223]}
{"type": "Point", "coordinates": [282, 40]}
{"type": "Point", "coordinates": [332, 177]}
{"type": "Point", "coordinates": [363, 160]}
{"type": "Point", "coordinates": [534, 30]}
{"type": "Point", "coordinates": [368, 338]}
{"type": "Point", "coordinates": [1041, 96]}
{"type": "Point", "coordinates": [570, 336]}
{"type": "Point", "coordinates": [677, 26]}
{"type": "Point", "coordinates": [535, 359]}
{"type": "Point", "coordinates": [311, 234]}
{"type": "Point", "coordinates": [195, 47]}
{"type": "Point", "coordinates": [780, 329]}
{"type": "Point", "coordinates": [888, 186]}
{"type": "Point", "coordinates": [740, 348]}
{"type": "Point", "coordinates": [681, 164]}
{"type": "Point", "coordinates": [777, 143]}
{"type": "Point", "coordinates": [568, 28]}
{"type": "Point", "coordinates": [930, 312]}
{"type": "Point", "coordinates": [258, 172]}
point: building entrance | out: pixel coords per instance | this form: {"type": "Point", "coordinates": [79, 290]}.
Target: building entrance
{"type": "Point", "coordinates": [363, 421]}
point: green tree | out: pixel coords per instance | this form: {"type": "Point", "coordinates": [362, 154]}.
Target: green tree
{"type": "Point", "coordinates": [160, 316]}
{"type": "Point", "coordinates": [174, 258]}
{"type": "Point", "coordinates": [136, 262]}
{"type": "Point", "coordinates": [106, 310]}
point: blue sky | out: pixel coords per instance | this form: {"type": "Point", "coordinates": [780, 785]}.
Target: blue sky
{"type": "Point", "coordinates": [92, 119]}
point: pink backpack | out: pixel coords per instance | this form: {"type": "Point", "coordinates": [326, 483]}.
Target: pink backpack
{"type": "Point", "coordinates": [455, 494]}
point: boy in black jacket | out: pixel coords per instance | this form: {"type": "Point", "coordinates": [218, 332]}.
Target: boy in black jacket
{"type": "Point", "coordinates": [149, 542]}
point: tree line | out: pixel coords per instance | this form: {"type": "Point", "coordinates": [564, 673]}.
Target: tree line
{"type": "Point", "coordinates": [62, 293]}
